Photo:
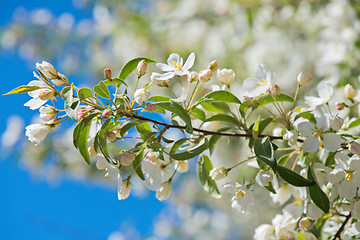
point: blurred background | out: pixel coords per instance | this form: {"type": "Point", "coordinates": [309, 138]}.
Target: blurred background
{"type": "Point", "coordinates": [49, 192]}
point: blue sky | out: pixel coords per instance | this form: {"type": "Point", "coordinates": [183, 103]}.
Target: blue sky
{"type": "Point", "coordinates": [33, 209]}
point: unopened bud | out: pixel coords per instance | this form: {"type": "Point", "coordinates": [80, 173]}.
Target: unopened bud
{"type": "Point", "coordinates": [141, 68]}
{"type": "Point", "coordinates": [106, 113]}
{"type": "Point", "coordinates": [305, 223]}
{"type": "Point", "coordinates": [205, 75]}
{"type": "Point", "coordinates": [214, 65]}
{"type": "Point", "coordinates": [218, 173]}
{"type": "Point", "coordinates": [111, 136]}
{"type": "Point", "coordinates": [47, 112]}
{"type": "Point", "coordinates": [150, 107]}
{"type": "Point", "coordinates": [336, 122]}
{"type": "Point", "coordinates": [164, 191]}
{"type": "Point", "coordinates": [349, 91]}
{"type": "Point", "coordinates": [226, 76]}
{"type": "Point", "coordinates": [107, 73]}
{"type": "Point", "coordinates": [181, 166]}
{"type": "Point", "coordinates": [193, 76]}
{"type": "Point", "coordinates": [127, 158]}
{"type": "Point", "coordinates": [304, 78]}
{"type": "Point", "coordinates": [46, 94]}
{"type": "Point", "coordinates": [340, 106]}
{"type": "Point", "coordinates": [275, 90]}
{"type": "Point", "coordinates": [205, 91]}
{"type": "Point", "coordinates": [61, 81]}
{"type": "Point", "coordinates": [355, 148]}
{"type": "Point", "coordinates": [92, 151]}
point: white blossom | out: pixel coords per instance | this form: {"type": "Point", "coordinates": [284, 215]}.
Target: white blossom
{"type": "Point", "coordinates": [47, 113]}
{"type": "Point", "coordinates": [47, 69]}
{"type": "Point", "coordinates": [259, 85]}
{"type": "Point", "coordinates": [225, 76]}
{"type": "Point", "coordinates": [218, 173]}
{"type": "Point", "coordinates": [40, 96]}
{"type": "Point", "coordinates": [164, 191]}
{"type": "Point", "coordinates": [242, 200]}
{"type": "Point", "coordinates": [141, 95]}
{"type": "Point", "coordinates": [38, 132]}
{"type": "Point", "coordinates": [175, 66]}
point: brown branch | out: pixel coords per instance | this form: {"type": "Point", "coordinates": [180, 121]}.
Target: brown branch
{"type": "Point", "coordinates": [203, 131]}
{"type": "Point", "coordinates": [342, 227]}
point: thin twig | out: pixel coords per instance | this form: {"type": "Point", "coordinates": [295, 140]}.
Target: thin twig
{"type": "Point", "coordinates": [342, 227]}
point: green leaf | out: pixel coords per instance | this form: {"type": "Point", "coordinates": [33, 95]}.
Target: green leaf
{"type": "Point", "coordinates": [102, 90]}
{"type": "Point", "coordinates": [223, 118]}
{"type": "Point", "coordinates": [308, 115]}
{"type": "Point", "coordinates": [23, 89]}
{"type": "Point", "coordinates": [255, 129]}
{"type": "Point", "coordinates": [127, 127]}
{"type": "Point", "coordinates": [177, 144]}
{"type": "Point", "coordinates": [80, 136]}
{"type": "Point", "coordinates": [270, 99]}
{"type": "Point", "coordinates": [182, 97]}
{"type": "Point", "coordinates": [179, 111]}
{"type": "Point", "coordinates": [212, 143]}
{"type": "Point", "coordinates": [159, 99]}
{"type": "Point", "coordinates": [82, 143]}
{"type": "Point", "coordinates": [144, 129]}
{"type": "Point", "coordinates": [84, 93]}
{"type": "Point", "coordinates": [317, 195]}
{"type": "Point", "coordinates": [283, 159]}
{"type": "Point", "coordinates": [293, 178]}
{"type": "Point", "coordinates": [131, 65]}
{"type": "Point", "coordinates": [193, 152]}
{"type": "Point", "coordinates": [270, 188]}
{"type": "Point", "coordinates": [218, 96]}
{"type": "Point", "coordinates": [264, 152]}
{"type": "Point", "coordinates": [198, 113]}
{"type": "Point", "coordinates": [137, 165]}
{"type": "Point", "coordinates": [101, 136]}
{"type": "Point", "coordinates": [117, 81]}
{"type": "Point", "coordinates": [354, 123]}
{"type": "Point", "coordinates": [80, 126]}
{"type": "Point", "coordinates": [203, 169]}
{"type": "Point", "coordinates": [215, 107]}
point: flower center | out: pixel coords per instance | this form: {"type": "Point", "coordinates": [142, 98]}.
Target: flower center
{"type": "Point", "coordinates": [315, 132]}
{"type": "Point", "coordinates": [262, 82]}
{"type": "Point", "coordinates": [177, 65]}
{"type": "Point", "coordinates": [239, 193]}
{"type": "Point", "coordinates": [298, 201]}
{"type": "Point", "coordinates": [348, 176]}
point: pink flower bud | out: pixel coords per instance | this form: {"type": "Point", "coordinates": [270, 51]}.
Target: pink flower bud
{"type": "Point", "coordinates": [92, 151]}
{"type": "Point", "coordinates": [349, 91]}
{"type": "Point", "coordinates": [205, 91]}
{"type": "Point", "coordinates": [214, 65]}
{"type": "Point", "coordinates": [275, 90]}
{"type": "Point", "coordinates": [61, 81]}
{"type": "Point", "coordinates": [150, 107]}
{"type": "Point", "coordinates": [355, 148]}
{"type": "Point", "coordinates": [111, 136]}
{"type": "Point", "coordinates": [340, 106]}
{"type": "Point", "coordinates": [106, 113]}
{"type": "Point", "coordinates": [193, 76]}
{"type": "Point", "coordinates": [205, 75]}
{"type": "Point", "coordinates": [81, 114]}
{"type": "Point", "coordinates": [305, 223]}
{"type": "Point", "coordinates": [107, 73]}
{"type": "Point", "coordinates": [46, 94]}
{"type": "Point", "coordinates": [127, 158]}
{"type": "Point", "coordinates": [141, 68]}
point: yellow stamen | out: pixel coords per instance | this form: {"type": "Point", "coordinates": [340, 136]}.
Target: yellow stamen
{"type": "Point", "coordinates": [262, 82]}
{"type": "Point", "coordinates": [239, 193]}
{"type": "Point", "coordinates": [348, 176]}
{"type": "Point", "coordinates": [315, 132]}
{"type": "Point", "coordinates": [177, 65]}
{"type": "Point", "coordinates": [298, 201]}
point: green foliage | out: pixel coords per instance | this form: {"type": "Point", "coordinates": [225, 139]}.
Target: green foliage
{"type": "Point", "coordinates": [264, 152]}
{"type": "Point", "coordinates": [179, 111]}
{"type": "Point", "coordinates": [71, 102]}
{"type": "Point", "coordinates": [317, 195]}
{"type": "Point", "coordinates": [292, 177]}
{"type": "Point", "coordinates": [193, 152]}
{"type": "Point", "coordinates": [102, 90]}
{"type": "Point", "coordinates": [23, 89]}
{"type": "Point", "coordinates": [131, 65]}
{"type": "Point", "coordinates": [203, 169]}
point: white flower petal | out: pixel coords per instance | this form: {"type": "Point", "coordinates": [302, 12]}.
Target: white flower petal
{"type": "Point", "coordinates": [189, 62]}
{"type": "Point", "coordinates": [313, 101]}
{"type": "Point", "coordinates": [35, 103]}
{"type": "Point", "coordinates": [260, 71]}
{"type": "Point", "coordinates": [311, 144]}
{"type": "Point", "coordinates": [174, 57]}
{"type": "Point", "coordinates": [325, 90]}
{"type": "Point", "coordinates": [322, 119]}
{"type": "Point", "coordinates": [331, 141]}
{"type": "Point", "coordinates": [165, 68]}
{"type": "Point", "coordinates": [164, 76]}
{"type": "Point", "coordinates": [305, 128]}
{"type": "Point", "coordinates": [347, 190]}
